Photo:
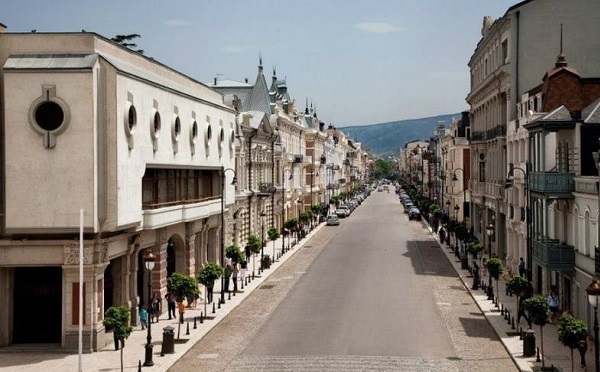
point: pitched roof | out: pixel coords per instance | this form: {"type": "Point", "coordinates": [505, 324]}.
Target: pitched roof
{"type": "Point", "coordinates": [591, 114]}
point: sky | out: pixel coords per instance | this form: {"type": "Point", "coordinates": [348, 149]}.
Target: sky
{"type": "Point", "coordinates": [357, 62]}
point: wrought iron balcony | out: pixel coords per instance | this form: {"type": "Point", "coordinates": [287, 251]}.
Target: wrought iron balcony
{"type": "Point", "coordinates": [552, 184]}
{"type": "Point", "coordinates": [266, 188]}
{"type": "Point", "coordinates": [554, 255]}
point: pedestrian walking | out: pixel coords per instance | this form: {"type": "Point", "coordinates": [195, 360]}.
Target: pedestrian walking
{"type": "Point", "coordinates": [525, 294]}
{"type": "Point", "coordinates": [155, 307]}
{"type": "Point", "coordinates": [227, 275]}
{"type": "Point", "coordinates": [144, 317]}
{"type": "Point", "coordinates": [553, 303]}
{"type": "Point", "coordinates": [521, 267]}
{"type": "Point", "coordinates": [234, 275]}
{"type": "Point", "coordinates": [243, 268]}
{"type": "Point", "coordinates": [171, 305]}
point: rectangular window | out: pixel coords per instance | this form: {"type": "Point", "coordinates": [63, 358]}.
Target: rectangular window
{"type": "Point", "coordinates": [75, 304]}
{"type": "Point", "coordinates": [481, 171]}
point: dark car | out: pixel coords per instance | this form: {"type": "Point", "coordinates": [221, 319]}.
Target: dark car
{"type": "Point", "coordinates": [414, 214]}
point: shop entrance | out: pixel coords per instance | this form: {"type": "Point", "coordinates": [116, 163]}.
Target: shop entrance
{"type": "Point", "coordinates": [38, 305]}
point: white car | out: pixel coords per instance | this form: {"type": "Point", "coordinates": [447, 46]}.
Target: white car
{"type": "Point", "coordinates": [342, 211]}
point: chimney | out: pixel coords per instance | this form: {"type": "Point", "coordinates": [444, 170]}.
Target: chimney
{"type": "Point", "coordinates": [215, 81]}
{"type": "Point", "coordinates": [246, 80]}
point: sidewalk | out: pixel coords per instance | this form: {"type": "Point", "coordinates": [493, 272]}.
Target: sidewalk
{"type": "Point", "coordinates": [38, 357]}
{"type": "Point", "coordinates": [556, 354]}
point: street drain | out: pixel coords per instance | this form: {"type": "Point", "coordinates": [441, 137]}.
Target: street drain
{"type": "Point", "coordinates": [266, 286]}
{"type": "Point", "coordinates": [454, 358]}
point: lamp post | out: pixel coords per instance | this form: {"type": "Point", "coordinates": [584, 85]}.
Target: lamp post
{"type": "Point", "coordinates": [149, 261]}
{"type": "Point", "coordinates": [283, 197]}
{"type": "Point", "coordinates": [233, 182]}
{"type": "Point", "coordinates": [509, 183]}
{"type": "Point", "coordinates": [593, 291]}
{"type": "Point", "coordinates": [454, 179]}
{"type": "Point", "coordinates": [489, 229]}
{"type": "Point", "coordinates": [262, 237]}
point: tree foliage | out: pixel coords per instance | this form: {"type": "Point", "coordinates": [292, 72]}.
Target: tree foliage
{"type": "Point", "coordinates": [273, 233]}
{"type": "Point", "coordinates": [210, 272]}
{"type": "Point", "coordinates": [385, 169]}
{"type": "Point", "coordinates": [234, 253]}
{"type": "Point", "coordinates": [516, 285]}
{"type": "Point", "coordinates": [125, 40]}
{"type": "Point", "coordinates": [119, 319]}
{"type": "Point", "coordinates": [494, 266]}
{"type": "Point", "coordinates": [182, 286]}
{"type": "Point", "coordinates": [254, 243]}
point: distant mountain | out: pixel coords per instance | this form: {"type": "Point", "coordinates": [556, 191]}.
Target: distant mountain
{"type": "Point", "coordinates": [388, 138]}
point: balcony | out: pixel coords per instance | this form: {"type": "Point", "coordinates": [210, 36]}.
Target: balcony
{"type": "Point", "coordinates": [554, 255]}
{"type": "Point", "coordinates": [165, 214]}
{"type": "Point", "coordinates": [553, 185]}
{"type": "Point", "coordinates": [266, 189]}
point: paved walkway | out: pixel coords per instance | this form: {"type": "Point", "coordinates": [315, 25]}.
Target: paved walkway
{"type": "Point", "coordinates": [27, 358]}
{"type": "Point", "coordinates": [555, 353]}
{"type": "Point", "coordinates": [17, 358]}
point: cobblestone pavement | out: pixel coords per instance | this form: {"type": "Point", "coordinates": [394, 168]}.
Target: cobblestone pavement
{"type": "Point", "coordinates": [477, 347]}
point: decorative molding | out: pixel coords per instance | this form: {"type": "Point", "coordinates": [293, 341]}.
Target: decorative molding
{"type": "Point", "coordinates": [71, 254]}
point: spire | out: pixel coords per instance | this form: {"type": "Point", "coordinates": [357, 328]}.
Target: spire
{"type": "Point", "coordinates": [260, 66]}
{"type": "Point", "coordinates": [306, 109]}
{"type": "Point", "coordinates": [561, 60]}
{"type": "Point", "coordinates": [314, 111]}
{"type": "Point", "coordinates": [274, 75]}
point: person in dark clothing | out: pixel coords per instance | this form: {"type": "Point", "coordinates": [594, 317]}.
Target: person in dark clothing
{"type": "Point", "coordinates": [171, 305]}
{"type": "Point", "coordinates": [525, 294]}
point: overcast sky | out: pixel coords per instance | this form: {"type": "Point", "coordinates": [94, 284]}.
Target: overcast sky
{"type": "Point", "coordinates": [358, 62]}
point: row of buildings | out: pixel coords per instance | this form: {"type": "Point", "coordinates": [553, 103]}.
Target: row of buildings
{"type": "Point", "coordinates": [520, 168]}
{"type": "Point", "coordinates": [149, 154]}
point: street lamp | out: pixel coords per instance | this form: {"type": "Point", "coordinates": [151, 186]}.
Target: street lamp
{"type": "Point", "coordinates": [509, 183]}
{"type": "Point", "coordinates": [454, 179]}
{"type": "Point", "coordinates": [283, 197]}
{"type": "Point", "coordinates": [233, 182]}
{"type": "Point", "coordinates": [149, 261]}
{"type": "Point", "coordinates": [593, 291]}
{"type": "Point", "coordinates": [489, 229]}
{"type": "Point", "coordinates": [262, 236]}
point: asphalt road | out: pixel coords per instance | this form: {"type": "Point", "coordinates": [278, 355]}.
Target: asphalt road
{"type": "Point", "coordinates": [373, 294]}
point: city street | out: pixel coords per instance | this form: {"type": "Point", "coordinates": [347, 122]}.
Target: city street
{"type": "Point", "coordinates": [375, 293]}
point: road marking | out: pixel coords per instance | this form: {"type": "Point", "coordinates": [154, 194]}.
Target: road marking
{"type": "Point", "coordinates": [207, 356]}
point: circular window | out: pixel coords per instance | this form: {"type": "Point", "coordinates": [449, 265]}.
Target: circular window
{"type": "Point", "coordinates": [156, 124]}
{"type": "Point", "coordinates": [131, 118]}
{"type": "Point", "coordinates": [49, 116]}
{"type": "Point", "coordinates": [193, 132]}
{"type": "Point", "coordinates": [177, 126]}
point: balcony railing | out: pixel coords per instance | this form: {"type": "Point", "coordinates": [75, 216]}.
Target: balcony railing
{"type": "Point", "coordinates": [552, 183]}
{"type": "Point", "coordinates": [554, 255]}
{"type": "Point", "coordinates": [490, 134]}
{"type": "Point", "coordinates": [266, 188]}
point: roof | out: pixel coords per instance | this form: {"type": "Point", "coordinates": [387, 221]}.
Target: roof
{"type": "Point", "coordinates": [51, 61]}
{"type": "Point", "coordinates": [591, 114]}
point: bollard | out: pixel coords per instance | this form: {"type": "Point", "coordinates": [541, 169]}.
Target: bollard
{"type": "Point", "coordinates": [507, 318]}
{"type": "Point", "coordinates": [201, 317]}
{"type": "Point", "coordinates": [537, 358]}
{"type": "Point", "coordinates": [228, 295]}
{"type": "Point", "coordinates": [213, 308]}
{"type": "Point", "coordinates": [168, 341]}
{"type": "Point", "coordinates": [139, 366]}
{"type": "Point", "coordinates": [520, 333]}
{"type": "Point", "coordinates": [243, 283]}
{"type": "Point", "coordinates": [187, 329]}
{"type": "Point", "coordinates": [195, 321]}
{"type": "Point", "coordinates": [502, 310]}
{"type": "Point", "coordinates": [512, 326]}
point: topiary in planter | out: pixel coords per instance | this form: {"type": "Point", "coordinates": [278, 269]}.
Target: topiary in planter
{"type": "Point", "coordinates": [572, 333]}
{"type": "Point", "coordinates": [474, 248]}
{"type": "Point", "coordinates": [234, 253]}
{"type": "Point", "coordinates": [210, 272]}
{"type": "Point", "coordinates": [537, 310]}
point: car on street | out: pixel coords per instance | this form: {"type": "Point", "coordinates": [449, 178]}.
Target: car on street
{"type": "Point", "coordinates": [414, 214]}
{"type": "Point", "coordinates": [408, 207]}
{"type": "Point", "coordinates": [342, 211]}
{"type": "Point", "coordinates": [333, 220]}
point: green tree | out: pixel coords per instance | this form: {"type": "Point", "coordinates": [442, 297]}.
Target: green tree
{"type": "Point", "coordinates": [515, 286]}
{"type": "Point", "coordinates": [210, 272]}
{"type": "Point", "coordinates": [571, 333]}
{"type": "Point", "coordinates": [234, 253]}
{"type": "Point", "coordinates": [494, 267]}
{"type": "Point", "coordinates": [537, 310]}
{"type": "Point", "coordinates": [124, 40]}
{"type": "Point", "coordinates": [182, 287]}
{"type": "Point", "coordinates": [119, 319]}
{"type": "Point", "coordinates": [273, 235]}
{"type": "Point", "coordinates": [255, 245]}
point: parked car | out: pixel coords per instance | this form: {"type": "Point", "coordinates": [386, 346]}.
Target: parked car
{"type": "Point", "coordinates": [342, 211]}
{"type": "Point", "coordinates": [414, 214]}
{"type": "Point", "coordinates": [332, 220]}
{"type": "Point", "coordinates": [408, 206]}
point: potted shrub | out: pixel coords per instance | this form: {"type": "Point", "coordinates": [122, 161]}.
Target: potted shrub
{"type": "Point", "coordinates": [537, 310]}
{"type": "Point", "coordinates": [119, 319]}
{"type": "Point", "coordinates": [572, 333]}
{"type": "Point", "coordinates": [182, 287]}
{"type": "Point", "coordinates": [273, 235]}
